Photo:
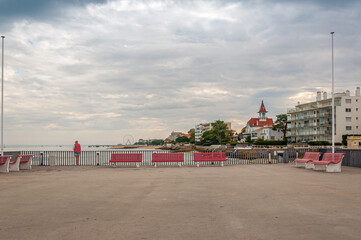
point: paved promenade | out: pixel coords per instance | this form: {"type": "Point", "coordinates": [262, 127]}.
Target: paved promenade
{"type": "Point", "coordinates": [233, 202]}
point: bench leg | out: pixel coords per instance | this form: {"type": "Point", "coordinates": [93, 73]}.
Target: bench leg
{"type": "Point", "coordinates": [180, 164]}
{"type": "Point", "coordinates": [221, 164]}
{"type": "Point", "coordinates": [298, 164]}
{"type": "Point", "coordinates": [137, 165]}
{"type": "Point", "coordinates": [197, 164]}
{"type": "Point", "coordinates": [333, 167]}
{"type": "Point", "coordinates": [4, 167]}
{"type": "Point", "coordinates": [309, 165]}
{"type": "Point", "coordinates": [319, 167]}
{"type": "Point", "coordinates": [155, 165]}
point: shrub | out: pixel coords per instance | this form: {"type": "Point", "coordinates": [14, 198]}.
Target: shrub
{"type": "Point", "coordinates": [319, 143]}
{"type": "Point", "coordinates": [269, 142]}
{"type": "Point", "coordinates": [344, 138]}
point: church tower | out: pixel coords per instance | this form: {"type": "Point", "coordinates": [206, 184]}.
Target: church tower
{"type": "Point", "coordinates": [262, 112]}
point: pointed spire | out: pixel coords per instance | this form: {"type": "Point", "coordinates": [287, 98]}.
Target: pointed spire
{"type": "Point", "coordinates": [262, 109]}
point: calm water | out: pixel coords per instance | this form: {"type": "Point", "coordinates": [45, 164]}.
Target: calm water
{"type": "Point", "coordinates": [63, 148]}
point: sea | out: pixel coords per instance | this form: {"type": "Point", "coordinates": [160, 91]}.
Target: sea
{"type": "Point", "coordinates": [15, 148]}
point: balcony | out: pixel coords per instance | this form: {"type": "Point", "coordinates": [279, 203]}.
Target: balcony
{"type": "Point", "coordinates": [319, 115]}
{"type": "Point", "coordinates": [309, 133]}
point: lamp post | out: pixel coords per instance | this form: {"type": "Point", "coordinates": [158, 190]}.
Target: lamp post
{"type": "Point", "coordinates": [2, 97]}
{"type": "Point", "coordinates": [333, 99]}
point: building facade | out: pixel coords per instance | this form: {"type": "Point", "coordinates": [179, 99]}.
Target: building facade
{"type": "Point", "coordinates": [203, 127]}
{"type": "Point", "coordinates": [313, 121]}
{"type": "Point", "coordinates": [354, 142]}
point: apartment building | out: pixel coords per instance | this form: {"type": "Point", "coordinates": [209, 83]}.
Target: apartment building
{"type": "Point", "coordinates": [203, 127]}
{"type": "Point", "coordinates": [313, 121]}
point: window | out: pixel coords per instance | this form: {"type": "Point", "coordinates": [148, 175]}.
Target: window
{"type": "Point", "coordinates": [356, 109]}
{"type": "Point", "coordinates": [348, 128]}
{"type": "Point", "coordinates": [356, 127]}
{"type": "Point", "coordinates": [349, 109]}
{"type": "Point", "coordinates": [356, 100]}
{"type": "Point", "coordinates": [348, 100]}
{"type": "Point", "coordinates": [348, 119]}
{"type": "Point", "coordinates": [356, 118]}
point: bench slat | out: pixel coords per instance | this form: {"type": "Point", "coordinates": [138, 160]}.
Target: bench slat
{"type": "Point", "coordinates": [329, 158]}
{"type": "Point", "coordinates": [126, 157]}
{"type": "Point", "coordinates": [25, 158]}
{"type": "Point", "coordinates": [167, 157]}
{"type": "Point", "coordinates": [209, 157]}
{"type": "Point", "coordinates": [309, 157]}
{"type": "Point", "coordinates": [4, 158]}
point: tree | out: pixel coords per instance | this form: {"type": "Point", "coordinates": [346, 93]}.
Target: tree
{"type": "Point", "coordinates": [220, 131]}
{"type": "Point", "coordinates": [281, 124]}
{"type": "Point", "coordinates": [192, 132]}
{"type": "Point", "coordinates": [243, 130]}
{"type": "Point", "coordinates": [249, 139]}
{"type": "Point", "coordinates": [182, 139]}
{"type": "Point", "coordinates": [208, 138]}
{"type": "Point", "coordinates": [240, 135]}
{"type": "Point", "coordinates": [157, 142]}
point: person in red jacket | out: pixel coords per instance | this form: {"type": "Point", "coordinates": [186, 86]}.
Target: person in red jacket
{"type": "Point", "coordinates": [77, 151]}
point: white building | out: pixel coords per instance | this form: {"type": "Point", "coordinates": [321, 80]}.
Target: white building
{"type": "Point", "coordinates": [261, 127]}
{"type": "Point", "coordinates": [313, 121]}
{"type": "Point", "coordinates": [203, 127]}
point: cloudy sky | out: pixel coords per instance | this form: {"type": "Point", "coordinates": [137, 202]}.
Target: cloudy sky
{"type": "Point", "coordinates": [99, 70]}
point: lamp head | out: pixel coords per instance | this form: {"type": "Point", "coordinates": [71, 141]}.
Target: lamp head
{"type": "Point", "coordinates": [332, 32]}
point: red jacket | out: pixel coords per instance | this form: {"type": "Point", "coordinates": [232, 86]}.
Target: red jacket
{"type": "Point", "coordinates": [77, 148]}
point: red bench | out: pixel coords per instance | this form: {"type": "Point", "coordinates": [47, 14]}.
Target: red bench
{"type": "Point", "coordinates": [126, 158]}
{"type": "Point", "coordinates": [25, 162]}
{"type": "Point", "coordinates": [4, 163]}
{"type": "Point", "coordinates": [331, 162]}
{"type": "Point", "coordinates": [210, 157]}
{"type": "Point", "coordinates": [307, 159]}
{"type": "Point", "coordinates": [167, 157]}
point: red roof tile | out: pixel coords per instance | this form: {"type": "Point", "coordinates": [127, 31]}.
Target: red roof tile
{"type": "Point", "coordinates": [262, 108]}
{"type": "Point", "coordinates": [255, 122]}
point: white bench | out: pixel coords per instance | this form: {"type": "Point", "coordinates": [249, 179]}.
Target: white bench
{"type": "Point", "coordinates": [4, 163]}
{"type": "Point", "coordinates": [25, 162]}
{"type": "Point", "coordinates": [14, 166]}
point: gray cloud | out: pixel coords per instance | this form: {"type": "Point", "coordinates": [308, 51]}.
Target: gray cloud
{"type": "Point", "coordinates": [97, 72]}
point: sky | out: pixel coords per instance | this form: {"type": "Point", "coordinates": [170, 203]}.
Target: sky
{"type": "Point", "coordinates": [97, 71]}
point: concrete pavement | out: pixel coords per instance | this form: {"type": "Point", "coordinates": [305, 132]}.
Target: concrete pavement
{"type": "Point", "coordinates": [274, 201]}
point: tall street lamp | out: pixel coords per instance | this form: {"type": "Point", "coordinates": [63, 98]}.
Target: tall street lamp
{"type": "Point", "coordinates": [333, 99]}
{"type": "Point", "coordinates": [2, 98]}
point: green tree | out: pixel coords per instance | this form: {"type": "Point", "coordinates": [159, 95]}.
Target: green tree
{"type": "Point", "coordinates": [240, 135]}
{"type": "Point", "coordinates": [249, 139]}
{"type": "Point", "coordinates": [220, 131]}
{"type": "Point", "coordinates": [192, 132]}
{"type": "Point", "coordinates": [208, 138]}
{"type": "Point", "coordinates": [182, 139]}
{"type": "Point", "coordinates": [157, 142]}
{"type": "Point", "coordinates": [281, 124]}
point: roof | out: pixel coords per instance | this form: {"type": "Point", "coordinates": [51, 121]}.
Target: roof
{"type": "Point", "coordinates": [262, 108]}
{"type": "Point", "coordinates": [187, 135]}
{"type": "Point", "coordinates": [255, 122]}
